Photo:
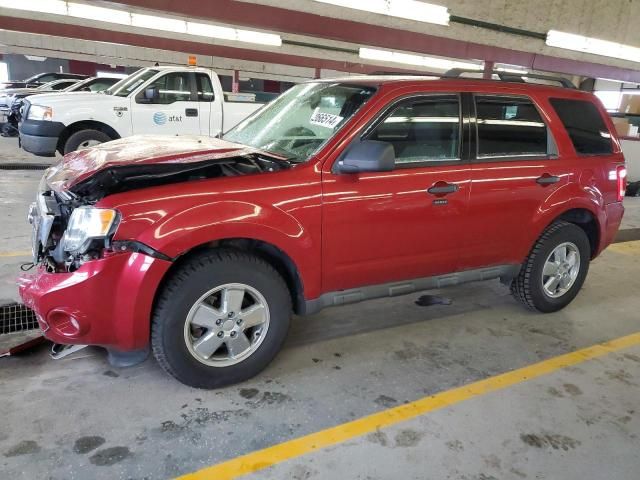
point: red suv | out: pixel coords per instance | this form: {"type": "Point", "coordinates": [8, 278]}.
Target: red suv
{"type": "Point", "coordinates": [338, 191]}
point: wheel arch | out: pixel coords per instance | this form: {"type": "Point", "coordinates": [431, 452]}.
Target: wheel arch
{"type": "Point", "coordinates": [85, 125]}
{"type": "Point", "coordinates": [269, 252]}
{"type": "Point", "coordinates": [584, 218]}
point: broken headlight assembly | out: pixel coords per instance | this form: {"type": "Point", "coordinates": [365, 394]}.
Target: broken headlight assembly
{"type": "Point", "coordinates": [87, 224]}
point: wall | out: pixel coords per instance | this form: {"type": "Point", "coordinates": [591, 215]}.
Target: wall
{"type": "Point", "coordinates": [20, 67]}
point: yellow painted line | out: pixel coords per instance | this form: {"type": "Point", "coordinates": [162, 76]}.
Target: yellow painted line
{"type": "Point", "coordinates": [626, 248]}
{"type": "Point", "coordinates": [26, 253]}
{"type": "Point", "coordinates": [261, 459]}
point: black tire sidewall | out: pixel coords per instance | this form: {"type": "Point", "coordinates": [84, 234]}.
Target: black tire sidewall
{"type": "Point", "coordinates": [74, 141]}
{"type": "Point", "coordinates": [568, 233]}
{"type": "Point", "coordinates": [202, 276]}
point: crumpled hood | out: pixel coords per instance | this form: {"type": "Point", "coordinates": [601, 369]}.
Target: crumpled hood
{"type": "Point", "coordinates": [144, 150]}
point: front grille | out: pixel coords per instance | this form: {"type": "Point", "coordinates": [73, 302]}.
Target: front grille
{"type": "Point", "coordinates": [16, 317]}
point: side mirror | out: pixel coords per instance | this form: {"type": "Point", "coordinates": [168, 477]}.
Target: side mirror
{"type": "Point", "coordinates": [367, 156]}
{"type": "Point", "coordinates": [151, 93]}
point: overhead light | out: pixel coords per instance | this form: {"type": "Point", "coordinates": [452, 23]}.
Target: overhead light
{"type": "Point", "coordinates": [409, 9]}
{"type": "Point", "coordinates": [418, 60]}
{"type": "Point", "coordinates": [124, 17]}
{"type": "Point", "coordinates": [101, 14]}
{"type": "Point", "coordinates": [228, 33]}
{"type": "Point", "coordinates": [595, 46]}
{"type": "Point", "coordinates": [158, 23]}
{"type": "Point", "coordinates": [44, 6]}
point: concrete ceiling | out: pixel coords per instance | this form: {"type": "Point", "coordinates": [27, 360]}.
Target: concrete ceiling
{"type": "Point", "coordinates": [318, 35]}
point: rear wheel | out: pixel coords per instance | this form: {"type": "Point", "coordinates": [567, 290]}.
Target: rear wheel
{"type": "Point", "coordinates": [555, 269]}
{"type": "Point", "coordinates": [220, 319]}
{"type": "Point", "coordinates": [85, 139]}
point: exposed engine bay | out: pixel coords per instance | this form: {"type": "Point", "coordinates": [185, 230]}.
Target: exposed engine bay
{"type": "Point", "coordinates": [54, 209]}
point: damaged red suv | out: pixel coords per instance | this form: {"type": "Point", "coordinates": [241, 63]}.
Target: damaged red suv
{"type": "Point", "coordinates": [338, 191]}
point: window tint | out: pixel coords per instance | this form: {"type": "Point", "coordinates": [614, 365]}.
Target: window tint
{"type": "Point", "coordinates": [509, 126]}
{"type": "Point", "coordinates": [62, 85]}
{"type": "Point", "coordinates": [172, 87]}
{"type": "Point", "coordinates": [46, 78]}
{"type": "Point", "coordinates": [584, 125]}
{"type": "Point", "coordinates": [423, 130]}
{"type": "Point", "coordinates": [205, 89]}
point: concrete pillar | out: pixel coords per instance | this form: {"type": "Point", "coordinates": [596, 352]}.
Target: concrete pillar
{"type": "Point", "coordinates": [235, 84]}
{"type": "Point", "coordinates": [488, 68]}
{"type": "Point", "coordinates": [318, 73]}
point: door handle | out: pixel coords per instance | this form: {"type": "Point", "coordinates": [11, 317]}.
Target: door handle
{"type": "Point", "coordinates": [443, 188]}
{"type": "Point", "coordinates": [547, 179]}
{"type": "Point", "coordinates": [191, 112]}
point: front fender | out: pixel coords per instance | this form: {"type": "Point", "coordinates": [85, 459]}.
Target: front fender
{"type": "Point", "coordinates": [180, 232]}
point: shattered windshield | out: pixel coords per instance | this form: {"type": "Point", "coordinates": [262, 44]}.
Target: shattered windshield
{"type": "Point", "coordinates": [302, 119]}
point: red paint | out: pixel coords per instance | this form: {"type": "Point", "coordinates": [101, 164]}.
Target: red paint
{"type": "Point", "coordinates": [341, 231]}
{"type": "Point", "coordinates": [91, 68]}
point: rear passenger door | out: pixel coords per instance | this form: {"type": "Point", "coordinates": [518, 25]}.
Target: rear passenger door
{"type": "Point", "coordinates": [514, 170]}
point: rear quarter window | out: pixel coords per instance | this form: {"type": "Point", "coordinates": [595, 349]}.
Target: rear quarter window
{"type": "Point", "coordinates": [585, 126]}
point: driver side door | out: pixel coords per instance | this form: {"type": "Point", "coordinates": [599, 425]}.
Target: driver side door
{"type": "Point", "coordinates": [385, 227]}
{"type": "Point", "coordinates": [175, 111]}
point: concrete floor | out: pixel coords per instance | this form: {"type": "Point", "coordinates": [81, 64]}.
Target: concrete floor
{"type": "Point", "coordinates": [79, 418]}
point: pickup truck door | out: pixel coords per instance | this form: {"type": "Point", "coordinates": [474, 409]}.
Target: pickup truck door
{"type": "Point", "coordinates": [408, 223]}
{"type": "Point", "coordinates": [175, 109]}
{"type": "Point", "coordinates": [210, 104]}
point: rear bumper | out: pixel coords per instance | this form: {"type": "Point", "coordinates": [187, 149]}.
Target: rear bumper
{"type": "Point", "coordinates": [40, 137]}
{"type": "Point", "coordinates": [614, 214]}
{"type": "Point", "coordinates": [106, 302]}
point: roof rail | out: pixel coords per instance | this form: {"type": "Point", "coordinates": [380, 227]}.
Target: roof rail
{"type": "Point", "coordinates": [511, 77]}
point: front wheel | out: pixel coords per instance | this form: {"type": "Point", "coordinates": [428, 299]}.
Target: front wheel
{"type": "Point", "coordinates": [220, 319]}
{"type": "Point", "coordinates": [85, 139]}
{"type": "Point", "coordinates": [555, 269]}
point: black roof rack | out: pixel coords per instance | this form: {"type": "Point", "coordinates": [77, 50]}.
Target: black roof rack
{"type": "Point", "coordinates": [511, 77]}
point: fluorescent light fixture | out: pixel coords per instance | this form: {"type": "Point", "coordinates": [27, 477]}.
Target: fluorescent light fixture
{"type": "Point", "coordinates": [409, 9]}
{"type": "Point", "coordinates": [235, 34]}
{"type": "Point", "coordinates": [213, 31]}
{"type": "Point", "coordinates": [89, 12]}
{"type": "Point", "coordinates": [595, 46]}
{"type": "Point", "coordinates": [124, 17]}
{"type": "Point", "coordinates": [43, 6]}
{"type": "Point", "coordinates": [158, 23]}
{"type": "Point", "coordinates": [417, 60]}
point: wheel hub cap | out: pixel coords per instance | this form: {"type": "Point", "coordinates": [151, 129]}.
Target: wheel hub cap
{"type": "Point", "coordinates": [226, 325]}
{"type": "Point", "coordinates": [561, 270]}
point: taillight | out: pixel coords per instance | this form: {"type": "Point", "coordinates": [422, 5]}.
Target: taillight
{"type": "Point", "coordinates": [621, 179]}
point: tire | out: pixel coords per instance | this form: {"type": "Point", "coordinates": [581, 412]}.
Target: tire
{"type": "Point", "coordinates": [528, 287]}
{"type": "Point", "coordinates": [172, 329]}
{"type": "Point", "coordinates": [76, 141]}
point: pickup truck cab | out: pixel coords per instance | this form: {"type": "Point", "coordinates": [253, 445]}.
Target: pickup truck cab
{"type": "Point", "coordinates": [157, 100]}
{"type": "Point", "coordinates": [338, 191]}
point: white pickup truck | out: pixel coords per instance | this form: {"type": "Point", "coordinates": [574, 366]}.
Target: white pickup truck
{"type": "Point", "coordinates": [156, 100]}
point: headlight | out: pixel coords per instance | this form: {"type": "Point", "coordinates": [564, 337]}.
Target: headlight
{"type": "Point", "coordinates": [87, 224]}
{"type": "Point", "coordinates": [40, 112]}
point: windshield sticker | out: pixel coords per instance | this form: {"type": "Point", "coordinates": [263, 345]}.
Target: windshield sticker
{"type": "Point", "coordinates": [327, 120]}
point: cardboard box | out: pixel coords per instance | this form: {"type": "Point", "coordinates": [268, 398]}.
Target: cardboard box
{"type": "Point", "coordinates": [623, 127]}
{"type": "Point", "coordinates": [630, 104]}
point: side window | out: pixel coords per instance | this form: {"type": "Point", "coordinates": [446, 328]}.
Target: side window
{"type": "Point", "coordinates": [423, 130]}
{"type": "Point", "coordinates": [509, 126]}
{"type": "Point", "coordinates": [61, 85]}
{"type": "Point", "coordinates": [172, 87]}
{"type": "Point", "coordinates": [47, 78]}
{"type": "Point", "coordinates": [205, 89]}
{"type": "Point", "coordinates": [585, 126]}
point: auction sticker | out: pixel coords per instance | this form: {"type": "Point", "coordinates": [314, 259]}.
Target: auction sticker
{"type": "Point", "coordinates": [327, 120]}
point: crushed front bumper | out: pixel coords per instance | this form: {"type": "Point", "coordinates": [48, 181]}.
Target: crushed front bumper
{"type": "Point", "coordinates": [106, 302]}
